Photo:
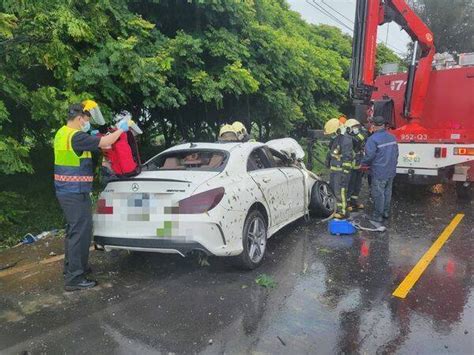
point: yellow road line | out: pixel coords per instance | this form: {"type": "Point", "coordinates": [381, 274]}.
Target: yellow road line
{"type": "Point", "coordinates": [415, 273]}
{"type": "Point", "coordinates": [15, 270]}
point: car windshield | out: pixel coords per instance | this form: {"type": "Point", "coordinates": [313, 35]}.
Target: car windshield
{"type": "Point", "coordinates": [192, 159]}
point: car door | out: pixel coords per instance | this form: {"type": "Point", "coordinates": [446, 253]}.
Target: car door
{"type": "Point", "coordinates": [295, 202]}
{"type": "Point", "coordinates": [273, 184]}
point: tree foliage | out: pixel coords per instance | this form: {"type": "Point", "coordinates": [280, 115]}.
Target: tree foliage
{"type": "Point", "coordinates": [181, 68]}
{"type": "Point", "coordinates": [451, 22]}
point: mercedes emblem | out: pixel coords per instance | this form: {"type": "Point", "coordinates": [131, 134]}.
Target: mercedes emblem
{"type": "Point", "coordinates": [135, 187]}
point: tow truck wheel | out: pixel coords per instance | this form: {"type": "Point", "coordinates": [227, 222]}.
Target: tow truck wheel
{"type": "Point", "coordinates": [464, 190]}
{"type": "Point", "coordinates": [323, 201]}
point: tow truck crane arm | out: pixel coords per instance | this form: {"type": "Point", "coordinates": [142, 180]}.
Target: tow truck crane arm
{"type": "Point", "coordinates": [369, 15]}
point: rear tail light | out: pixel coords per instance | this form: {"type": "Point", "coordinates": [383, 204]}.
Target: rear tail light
{"type": "Point", "coordinates": [440, 152]}
{"type": "Point", "coordinates": [463, 151]}
{"type": "Point", "coordinates": [202, 202]}
{"type": "Point", "coordinates": [102, 207]}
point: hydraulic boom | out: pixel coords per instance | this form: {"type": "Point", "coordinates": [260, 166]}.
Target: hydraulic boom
{"type": "Point", "coordinates": [369, 15]}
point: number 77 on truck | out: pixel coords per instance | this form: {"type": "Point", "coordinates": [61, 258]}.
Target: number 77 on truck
{"type": "Point", "coordinates": [429, 108]}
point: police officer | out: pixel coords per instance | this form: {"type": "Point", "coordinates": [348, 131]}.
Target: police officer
{"type": "Point", "coordinates": [339, 161]}
{"type": "Point", "coordinates": [73, 176]}
{"type": "Point", "coordinates": [359, 136]}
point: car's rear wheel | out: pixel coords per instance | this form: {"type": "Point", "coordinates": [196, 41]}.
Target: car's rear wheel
{"type": "Point", "coordinates": [323, 201]}
{"type": "Point", "coordinates": [254, 240]}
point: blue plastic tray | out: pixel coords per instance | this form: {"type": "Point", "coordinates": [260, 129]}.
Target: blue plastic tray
{"type": "Point", "coordinates": [340, 227]}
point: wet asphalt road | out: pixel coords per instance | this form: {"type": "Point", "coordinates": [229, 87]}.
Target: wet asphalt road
{"type": "Point", "coordinates": [333, 295]}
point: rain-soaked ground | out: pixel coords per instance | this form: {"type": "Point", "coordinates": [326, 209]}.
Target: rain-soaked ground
{"type": "Point", "coordinates": [333, 294]}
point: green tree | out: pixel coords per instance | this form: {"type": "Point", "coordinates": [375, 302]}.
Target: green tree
{"type": "Point", "coordinates": [451, 23]}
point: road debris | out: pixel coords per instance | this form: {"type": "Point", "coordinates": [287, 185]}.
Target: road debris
{"type": "Point", "coordinates": [9, 265]}
{"type": "Point", "coordinates": [266, 281]}
{"type": "Point", "coordinates": [281, 340]}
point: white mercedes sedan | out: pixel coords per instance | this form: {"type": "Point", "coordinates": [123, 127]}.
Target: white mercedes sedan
{"type": "Point", "coordinates": [225, 199]}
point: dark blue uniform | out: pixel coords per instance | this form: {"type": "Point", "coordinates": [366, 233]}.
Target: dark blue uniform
{"type": "Point", "coordinates": [381, 155]}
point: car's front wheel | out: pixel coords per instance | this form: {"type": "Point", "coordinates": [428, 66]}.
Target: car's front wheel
{"type": "Point", "coordinates": [254, 240]}
{"type": "Point", "coordinates": [323, 201]}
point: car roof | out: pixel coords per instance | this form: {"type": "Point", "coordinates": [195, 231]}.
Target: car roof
{"type": "Point", "coordinates": [218, 146]}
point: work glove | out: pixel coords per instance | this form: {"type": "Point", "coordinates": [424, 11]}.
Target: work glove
{"type": "Point", "coordinates": [123, 125]}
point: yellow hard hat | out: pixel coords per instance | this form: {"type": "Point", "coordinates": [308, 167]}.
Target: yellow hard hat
{"type": "Point", "coordinates": [352, 122]}
{"type": "Point", "coordinates": [89, 105]}
{"type": "Point", "coordinates": [93, 109]}
{"type": "Point", "coordinates": [332, 126]}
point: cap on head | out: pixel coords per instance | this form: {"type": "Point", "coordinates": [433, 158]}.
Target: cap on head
{"type": "Point", "coordinates": [332, 126]}
{"type": "Point", "coordinates": [378, 120]}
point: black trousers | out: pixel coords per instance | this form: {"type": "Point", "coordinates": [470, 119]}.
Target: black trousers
{"type": "Point", "coordinates": [355, 184]}
{"type": "Point", "coordinates": [339, 182]}
{"type": "Point", "coordinates": [77, 209]}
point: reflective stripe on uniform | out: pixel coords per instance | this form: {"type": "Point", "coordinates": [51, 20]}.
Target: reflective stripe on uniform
{"type": "Point", "coordinates": [343, 196]}
{"type": "Point", "coordinates": [75, 178]}
{"type": "Point", "coordinates": [386, 144]}
{"type": "Point", "coordinates": [335, 168]}
{"type": "Point", "coordinates": [64, 155]}
{"type": "Point", "coordinates": [72, 173]}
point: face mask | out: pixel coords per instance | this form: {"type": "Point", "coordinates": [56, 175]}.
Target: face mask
{"type": "Point", "coordinates": [86, 127]}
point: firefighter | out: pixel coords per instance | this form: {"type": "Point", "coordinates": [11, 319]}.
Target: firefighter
{"type": "Point", "coordinates": [73, 176]}
{"type": "Point", "coordinates": [242, 134]}
{"type": "Point", "coordinates": [359, 136]}
{"type": "Point", "coordinates": [227, 133]}
{"type": "Point", "coordinates": [339, 161]}
{"type": "Point", "coordinates": [235, 132]}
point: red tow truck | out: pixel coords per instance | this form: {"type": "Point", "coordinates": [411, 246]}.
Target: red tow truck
{"type": "Point", "coordinates": [429, 108]}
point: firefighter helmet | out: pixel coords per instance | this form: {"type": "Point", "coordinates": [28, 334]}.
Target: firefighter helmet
{"type": "Point", "coordinates": [240, 130]}
{"type": "Point", "coordinates": [332, 126]}
{"type": "Point", "coordinates": [227, 133]}
{"type": "Point", "coordinates": [352, 122]}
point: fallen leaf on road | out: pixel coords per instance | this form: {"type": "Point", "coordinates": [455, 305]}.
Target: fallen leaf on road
{"type": "Point", "coordinates": [266, 281]}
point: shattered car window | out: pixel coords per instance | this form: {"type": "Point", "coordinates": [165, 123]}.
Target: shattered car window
{"type": "Point", "coordinates": [258, 160]}
{"type": "Point", "coordinates": [192, 159]}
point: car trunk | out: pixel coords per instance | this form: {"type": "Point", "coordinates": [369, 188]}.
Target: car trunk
{"type": "Point", "coordinates": [145, 206]}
